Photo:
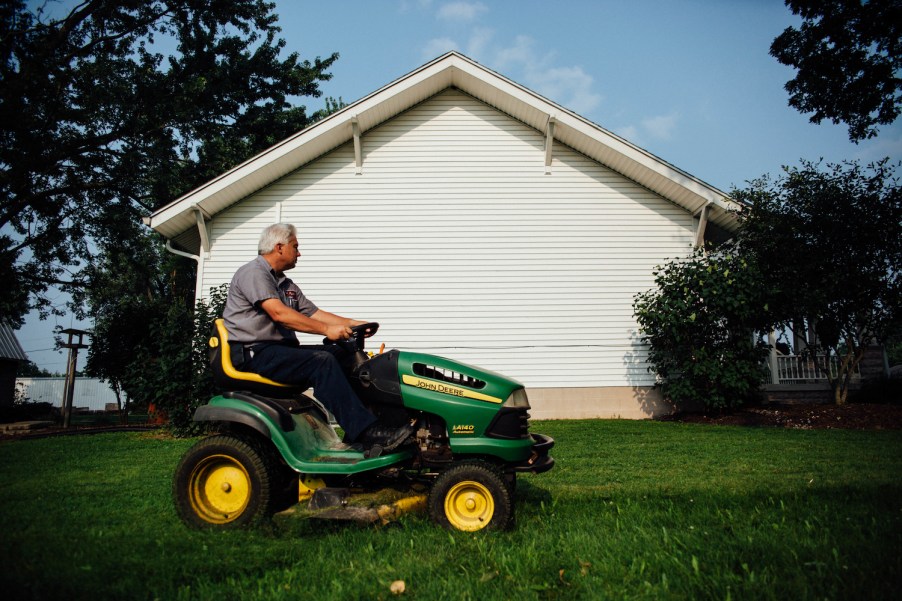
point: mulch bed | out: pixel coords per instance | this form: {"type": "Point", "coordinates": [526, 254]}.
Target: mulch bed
{"type": "Point", "coordinates": [856, 416]}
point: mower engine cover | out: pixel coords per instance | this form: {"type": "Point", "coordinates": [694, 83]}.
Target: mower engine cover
{"type": "Point", "coordinates": [484, 412]}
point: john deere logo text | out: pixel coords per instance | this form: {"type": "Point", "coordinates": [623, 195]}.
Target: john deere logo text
{"type": "Point", "coordinates": [438, 387]}
{"type": "Point", "coordinates": [463, 429]}
{"type": "Point", "coordinates": [443, 388]}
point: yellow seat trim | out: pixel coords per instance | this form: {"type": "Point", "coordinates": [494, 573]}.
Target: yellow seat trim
{"type": "Point", "coordinates": [226, 357]}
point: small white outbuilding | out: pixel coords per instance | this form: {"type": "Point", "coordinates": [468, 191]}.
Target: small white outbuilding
{"type": "Point", "coordinates": [474, 219]}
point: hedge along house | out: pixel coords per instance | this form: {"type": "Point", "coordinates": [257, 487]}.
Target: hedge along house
{"type": "Point", "coordinates": [473, 219]}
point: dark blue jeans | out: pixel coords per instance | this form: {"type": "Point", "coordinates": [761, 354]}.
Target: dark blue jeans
{"type": "Point", "coordinates": [314, 366]}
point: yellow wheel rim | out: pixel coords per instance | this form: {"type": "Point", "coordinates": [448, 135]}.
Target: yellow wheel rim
{"type": "Point", "coordinates": [220, 489]}
{"type": "Point", "coordinates": [469, 506]}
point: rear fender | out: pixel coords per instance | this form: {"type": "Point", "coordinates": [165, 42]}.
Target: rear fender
{"type": "Point", "coordinates": [237, 411]}
{"type": "Point", "coordinates": [209, 413]}
{"type": "Point", "coordinates": [309, 445]}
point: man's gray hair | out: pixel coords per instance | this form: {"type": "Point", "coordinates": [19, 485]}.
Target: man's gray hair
{"type": "Point", "coordinates": [278, 233]}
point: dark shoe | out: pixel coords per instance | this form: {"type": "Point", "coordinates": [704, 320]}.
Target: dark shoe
{"type": "Point", "coordinates": [373, 452]}
{"type": "Point", "coordinates": [388, 437]}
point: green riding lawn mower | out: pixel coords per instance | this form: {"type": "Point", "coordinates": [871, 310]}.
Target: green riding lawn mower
{"type": "Point", "coordinates": [276, 449]}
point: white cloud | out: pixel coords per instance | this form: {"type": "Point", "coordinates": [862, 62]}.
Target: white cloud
{"type": "Point", "coordinates": [461, 11]}
{"type": "Point", "coordinates": [570, 86]}
{"type": "Point", "coordinates": [660, 127]}
{"type": "Point", "coordinates": [475, 47]}
{"type": "Point", "coordinates": [520, 54]}
{"type": "Point", "coordinates": [437, 47]}
{"type": "Point", "coordinates": [408, 5]}
{"type": "Point", "coordinates": [628, 132]}
{"type": "Point", "coordinates": [478, 43]}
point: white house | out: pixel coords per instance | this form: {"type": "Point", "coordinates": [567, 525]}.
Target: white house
{"type": "Point", "coordinates": [474, 219]}
{"type": "Point", "coordinates": [88, 393]}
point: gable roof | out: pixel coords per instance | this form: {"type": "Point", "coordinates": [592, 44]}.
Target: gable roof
{"type": "Point", "coordinates": [457, 71]}
{"type": "Point", "coordinates": [9, 345]}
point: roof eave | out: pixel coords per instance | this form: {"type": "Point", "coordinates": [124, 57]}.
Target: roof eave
{"type": "Point", "coordinates": [449, 70]}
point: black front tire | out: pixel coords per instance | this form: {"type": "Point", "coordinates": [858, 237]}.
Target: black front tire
{"type": "Point", "coordinates": [228, 482]}
{"type": "Point", "coordinates": [471, 496]}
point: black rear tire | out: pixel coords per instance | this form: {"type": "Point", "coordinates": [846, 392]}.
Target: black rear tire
{"type": "Point", "coordinates": [228, 482]}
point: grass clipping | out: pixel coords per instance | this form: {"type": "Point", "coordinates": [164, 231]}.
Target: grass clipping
{"type": "Point", "coordinates": [378, 507]}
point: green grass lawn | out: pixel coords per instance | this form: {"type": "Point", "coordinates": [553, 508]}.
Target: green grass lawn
{"type": "Point", "coordinates": [633, 510]}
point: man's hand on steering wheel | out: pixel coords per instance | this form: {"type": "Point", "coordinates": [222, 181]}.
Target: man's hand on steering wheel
{"type": "Point", "coordinates": [338, 332]}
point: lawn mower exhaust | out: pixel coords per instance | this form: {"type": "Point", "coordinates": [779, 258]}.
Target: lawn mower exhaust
{"type": "Point", "coordinates": [276, 447]}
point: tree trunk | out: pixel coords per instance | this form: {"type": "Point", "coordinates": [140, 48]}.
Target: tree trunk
{"type": "Point", "coordinates": [123, 417]}
{"type": "Point", "coordinates": [840, 393]}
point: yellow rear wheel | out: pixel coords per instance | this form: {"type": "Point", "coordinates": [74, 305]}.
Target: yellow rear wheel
{"type": "Point", "coordinates": [220, 489]}
{"type": "Point", "coordinates": [228, 482]}
{"type": "Point", "coordinates": [471, 496]}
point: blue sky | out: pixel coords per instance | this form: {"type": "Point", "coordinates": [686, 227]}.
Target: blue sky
{"type": "Point", "coordinates": [691, 81]}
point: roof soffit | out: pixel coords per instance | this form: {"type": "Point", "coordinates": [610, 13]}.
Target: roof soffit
{"type": "Point", "coordinates": [450, 70]}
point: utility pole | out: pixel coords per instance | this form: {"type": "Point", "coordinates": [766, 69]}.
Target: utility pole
{"type": "Point", "coordinates": [70, 370]}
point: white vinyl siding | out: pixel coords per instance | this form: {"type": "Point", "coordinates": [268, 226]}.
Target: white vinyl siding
{"type": "Point", "coordinates": [459, 244]}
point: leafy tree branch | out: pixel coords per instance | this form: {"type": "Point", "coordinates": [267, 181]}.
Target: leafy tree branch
{"type": "Point", "coordinates": [120, 106]}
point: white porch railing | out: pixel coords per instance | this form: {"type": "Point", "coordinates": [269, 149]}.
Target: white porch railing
{"type": "Point", "coordinates": [800, 369]}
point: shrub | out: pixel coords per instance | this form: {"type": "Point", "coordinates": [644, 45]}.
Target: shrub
{"type": "Point", "coordinates": [190, 363]}
{"type": "Point", "coordinates": [700, 325]}
{"type": "Point", "coordinates": [27, 411]}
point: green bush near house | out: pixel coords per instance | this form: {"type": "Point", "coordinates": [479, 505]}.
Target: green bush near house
{"type": "Point", "coordinates": [28, 411]}
{"type": "Point", "coordinates": [700, 323]}
{"type": "Point", "coordinates": [633, 510]}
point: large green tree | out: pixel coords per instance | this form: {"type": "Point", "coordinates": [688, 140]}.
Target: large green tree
{"type": "Point", "coordinates": [120, 106]}
{"type": "Point", "coordinates": [829, 238]}
{"type": "Point", "coordinates": [149, 339]}
{"type": "Point", "coordinates": [819, 249]}
{"type": "Point", "coordinates": [848, 57]}
{"type": "Point", "coordinates": [141, 302]}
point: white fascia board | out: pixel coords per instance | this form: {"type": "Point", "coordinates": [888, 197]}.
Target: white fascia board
{"type": "Point", "coordinates": [244, 179]}
{"type": "Point", "coordinates": [293, 152]}
{"type": "Point", "coordinates": [643, 166]}
{"type": "Point", "coordinates": [448, 70]}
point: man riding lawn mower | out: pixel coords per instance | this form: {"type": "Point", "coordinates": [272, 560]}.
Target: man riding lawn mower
{"type": "Point", "coordinates": [469, 440]}
{"type": "Point", "coordinates": [412, 421]}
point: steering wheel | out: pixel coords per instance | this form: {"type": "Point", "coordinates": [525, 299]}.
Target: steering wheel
{"type": "Point", "coordinates": [366, 330]}
{"type": "Point", "coordinates": [358, 335]}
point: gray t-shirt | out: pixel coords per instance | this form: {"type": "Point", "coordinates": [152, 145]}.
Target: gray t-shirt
{"type": "Point", "coordinates": [253, 283]}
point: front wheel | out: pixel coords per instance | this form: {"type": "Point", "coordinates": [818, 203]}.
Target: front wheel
{"type": "Point", "coordinates": [471, 496]}
{"type": "Point", "coordinates": [226, 482]}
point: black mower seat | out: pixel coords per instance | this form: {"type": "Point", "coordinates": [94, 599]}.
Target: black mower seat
{"type": "Point", "coordinates": [227, 377]}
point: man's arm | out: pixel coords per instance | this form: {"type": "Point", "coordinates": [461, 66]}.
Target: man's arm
{"type": "Point", "coordinates": [333, 327]}
{"type": "Point", "coordinates": [333, 319]}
